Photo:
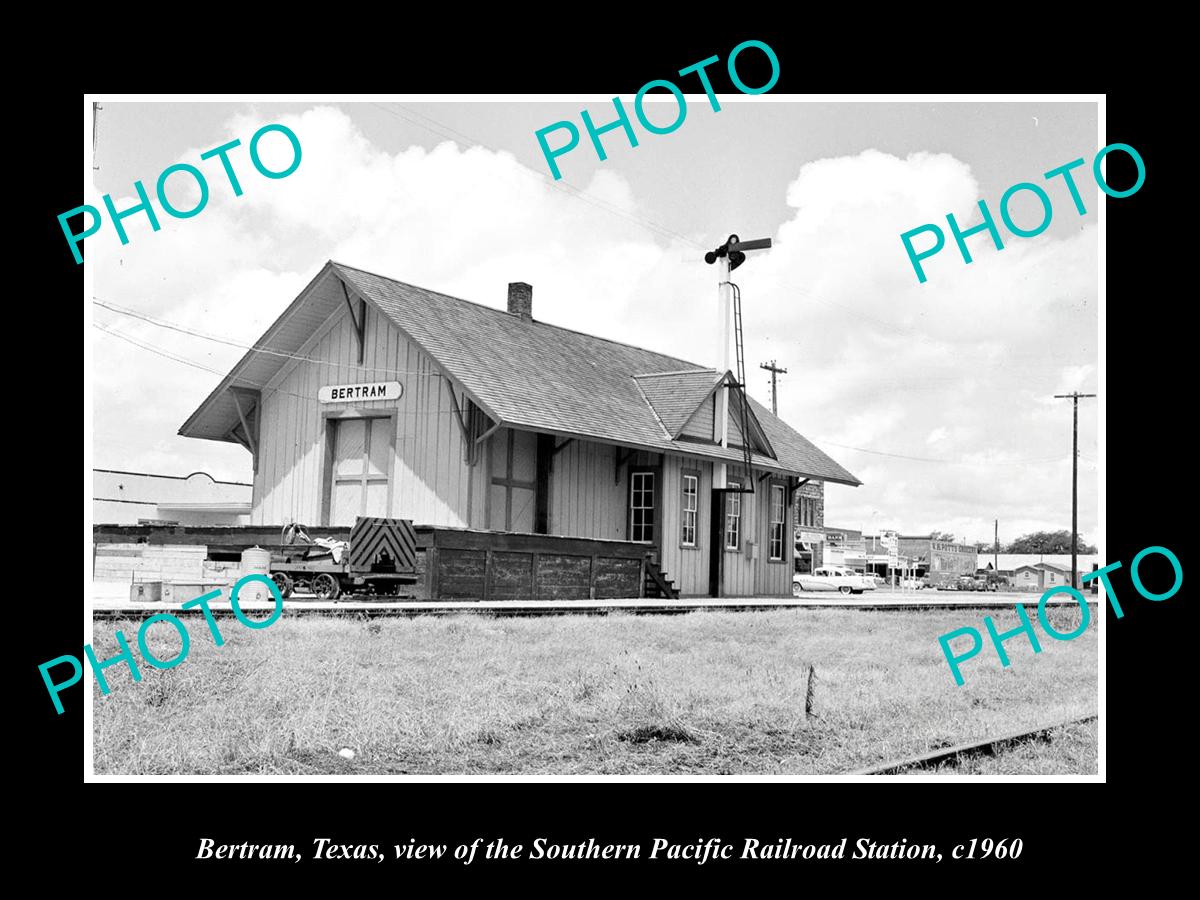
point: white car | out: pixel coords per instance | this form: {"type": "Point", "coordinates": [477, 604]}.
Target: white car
{"type": "Point", "coordinates": [832, 578]}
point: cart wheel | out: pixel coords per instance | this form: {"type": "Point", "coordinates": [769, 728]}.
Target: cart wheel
{"type": "Point", "coordinates": [283, 581]}
{"type": "Point", "coordinates": [326, 587]}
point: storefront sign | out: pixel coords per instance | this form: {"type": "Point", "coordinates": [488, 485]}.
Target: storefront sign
{"type": "Point", "coordinates": [891, 542]}
{"type": "Point", "coordinates": [373, 390]}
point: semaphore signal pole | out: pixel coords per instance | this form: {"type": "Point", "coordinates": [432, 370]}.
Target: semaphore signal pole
{"type": "Point", "coordinates": [730, 255]}
{"type": "Point", "coordinates": [1074, 396]}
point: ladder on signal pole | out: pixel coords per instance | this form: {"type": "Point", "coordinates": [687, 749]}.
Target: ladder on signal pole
{"type": "Point", "coordinates": [741, 385]}
{"type": "Point", "coordinates": [734, 250]}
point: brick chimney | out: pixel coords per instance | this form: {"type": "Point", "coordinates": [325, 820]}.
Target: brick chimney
{"type": "Point", "coordinates": [520, 299]}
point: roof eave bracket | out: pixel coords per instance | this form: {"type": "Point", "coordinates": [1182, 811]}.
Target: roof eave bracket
{"type": "Point", "coordinates": [359, 321]}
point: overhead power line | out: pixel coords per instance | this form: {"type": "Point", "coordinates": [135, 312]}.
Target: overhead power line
{"type": "Point", "coordinates": [258, 348]}
{"type": "Point", "coordinates": [948, 462]}
{"type": "Point", "coordinates": [245, 382]}
{"type": "Point", "coordinates": [182, 360]}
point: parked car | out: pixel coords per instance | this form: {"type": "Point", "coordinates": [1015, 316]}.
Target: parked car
{"type": "Point", "coordinates": [832, 578]}
{"type": "Point", "coordinates": [983, 583]}
{"type": "Point", "coordinates": [915, 584]}
{"type": "Point", "coordinates": [996, 581]}
{"type": "Point", "coordinates": [944, 582]}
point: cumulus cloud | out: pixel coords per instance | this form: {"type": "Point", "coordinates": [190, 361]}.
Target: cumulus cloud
{"type": "Point", "coordinates": [958, 372]}
{"type": "Point", "coordinates": [955, 372]}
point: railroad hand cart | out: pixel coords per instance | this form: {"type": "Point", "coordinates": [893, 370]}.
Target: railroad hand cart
{"type": "Point", "coordinates": [381, 558]}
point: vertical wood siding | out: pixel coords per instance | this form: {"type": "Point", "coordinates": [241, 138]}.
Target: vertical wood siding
{"type": "Point", "coordinates": [432, 485]}
{"type": "Point", "coordinates": [585, 501]}
{"type": "Point", "coordinates": [686, 566]}
{"type": "Point", "coordinates": [430, 482]}
{"type": "Point", "coordinates": [701, 423]}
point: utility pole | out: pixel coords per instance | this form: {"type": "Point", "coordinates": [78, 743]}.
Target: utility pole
{"type": "Point", "coordinates": [1074, 397]}
{"type": "Point", "coordinates": [774, 370]}
{"type": "Point", "coordinates": [96, 107]}
{"type": "Point", "coordinates": [996, 551]}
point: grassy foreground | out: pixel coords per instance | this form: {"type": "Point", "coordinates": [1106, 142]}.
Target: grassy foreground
{"type": "Point", "coordinates": [703, 693]}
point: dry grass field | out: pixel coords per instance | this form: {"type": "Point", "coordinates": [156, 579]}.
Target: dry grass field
{"type": "Point", "coordinates": [699, 693]}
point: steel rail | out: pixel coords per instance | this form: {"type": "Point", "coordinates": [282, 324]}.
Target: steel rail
{"type": "Point", "coordinates": [987, 747]}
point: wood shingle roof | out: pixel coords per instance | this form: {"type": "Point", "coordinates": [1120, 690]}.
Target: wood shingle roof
{"type": "Point", "coordinates": [525, 373]}
{"type": "Point", "coordinates": [547, 378]}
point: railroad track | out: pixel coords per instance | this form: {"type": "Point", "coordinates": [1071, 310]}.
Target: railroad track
{"type": "Point", "coordinates": [987, 747]}
{"type": "Point", "coordinates": [401, 608]}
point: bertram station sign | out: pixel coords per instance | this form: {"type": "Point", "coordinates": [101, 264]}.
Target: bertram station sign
{"type": "Point", "coordinates": [374, 390]}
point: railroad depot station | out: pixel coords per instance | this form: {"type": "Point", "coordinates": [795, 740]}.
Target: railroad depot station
{"type": "Point", "coordinates": [534, 461]}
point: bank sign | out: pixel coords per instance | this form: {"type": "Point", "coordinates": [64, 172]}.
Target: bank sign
{"type": "Point", "coordinates": [374, 390]}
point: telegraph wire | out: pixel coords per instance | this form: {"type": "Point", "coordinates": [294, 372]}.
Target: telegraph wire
{"type": "Point", "coordinates": [445, 131]}
{"type": "Point", "coordinates": [948, 462]}
{"type": "Point", "coordinates": [450, 133]}
{"type": "Point", "coordinates": [197, 365]}
{"type": "Point", "coordinates": [258, 348]}
{"type": "Point", "coordinates": [246, 382]}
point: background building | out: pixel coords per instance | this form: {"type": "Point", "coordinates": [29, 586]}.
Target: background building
{"type": "Point", "coordinates": [845, 547]}
{"type": "Point", "coordinates": [809, 516]}
{"type": "Point", "coordinates": [138, 498]}
{"type": "Point", "coordinates": [934, 558]}
{"type": "Point", "coordinates": [1010, 564]}
{"type": "Point", "coordinates": [878, 559]}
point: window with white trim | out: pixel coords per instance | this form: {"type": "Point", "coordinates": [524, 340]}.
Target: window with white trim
{"type": "Point", "coordinates": [778, 505]}
{"type": "Point", "coordinates": [641, 506]}
{"type": "Point", "coordinates": [733, 516]}
{"type": "Point", "coordinates": [690, 505]}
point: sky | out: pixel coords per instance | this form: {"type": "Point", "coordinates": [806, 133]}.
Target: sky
{"type": "Point", "coordinates": [938, 396]}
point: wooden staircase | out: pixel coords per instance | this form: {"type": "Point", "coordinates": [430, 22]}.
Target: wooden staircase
{"type": "Point", "coordinates": [655, 583]}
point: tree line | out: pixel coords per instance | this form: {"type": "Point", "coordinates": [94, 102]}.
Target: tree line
{"type": "Point", "coordinates": [1046, 542]}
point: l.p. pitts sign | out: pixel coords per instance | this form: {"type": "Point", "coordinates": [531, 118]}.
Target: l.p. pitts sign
{"type": "Point", "coordinates": [373, 390]}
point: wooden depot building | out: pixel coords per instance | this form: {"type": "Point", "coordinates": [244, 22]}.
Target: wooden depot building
{"type": "Point", "coordinates": [373, 397]}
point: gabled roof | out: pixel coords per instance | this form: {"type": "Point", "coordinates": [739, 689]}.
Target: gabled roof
{"type": "Point", "coordinates": [523, 373]}
{"type": "Point", "coordinates": [1010, 562]}
{"type": "Point", "coordinates": [674, 396]}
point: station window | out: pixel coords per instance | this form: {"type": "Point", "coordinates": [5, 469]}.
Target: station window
{"type": "Point", "coordinates": [641, 506]}
{"type": "Point", "coordinates": [733, 516]}
{"type": "Point", "coordinates": [778, 506]}
{"type": "Point", "coordinates": [689, 507]}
